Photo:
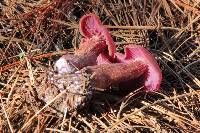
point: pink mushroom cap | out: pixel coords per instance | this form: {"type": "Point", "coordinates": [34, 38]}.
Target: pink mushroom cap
{"type": "Point", "coordinates": [90, 26]}
{"type": "Point", "coordinates": [153, 74]}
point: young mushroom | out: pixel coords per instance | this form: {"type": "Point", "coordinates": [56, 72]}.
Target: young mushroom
{"type": "Point", "coordinates": [96, 64]}
{"type": "Point", "coordinates": [96, 41]}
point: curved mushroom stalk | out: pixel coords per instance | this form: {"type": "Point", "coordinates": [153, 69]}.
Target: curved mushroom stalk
{"type": "Point", "coordinates": [84, 56]}
{"type": "Point", "coordinates": [105, 75]}
{"type": "Point", "coordinates": [97, 41]}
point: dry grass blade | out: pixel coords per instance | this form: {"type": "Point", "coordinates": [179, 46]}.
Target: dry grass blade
{"type": "Point", "coordinates": [142, 28]}
{"type": "Point", "coordinates": [6, 115]}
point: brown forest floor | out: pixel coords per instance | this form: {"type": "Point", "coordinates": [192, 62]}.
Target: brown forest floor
{"type": "Point", "coordinates": [34, 33]}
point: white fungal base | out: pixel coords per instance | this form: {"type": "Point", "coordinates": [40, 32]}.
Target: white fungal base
{"type": "Point", "coordinates": [63, 66]}
{"type": "Point", "coordinates": [77, 91]}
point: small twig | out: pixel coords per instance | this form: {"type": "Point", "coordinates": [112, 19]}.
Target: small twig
{"type": "Point", "coordinates": [36, 57]}
{"type": "Point", "coordinates": [18, 68]}
{"type": "Point", "coordinates": [188, 7]}
{"type": "Point", "coordinates": [70, 124]}
{"type": "Point", "coordinates": [10, 93]}
{"type": "Point", "coordinates": [186, 67]}
{"type": "Point", "coordinates": [56, 130]}
{"type": "Point", "coordinates": [122, 27]}
{"type": "Point", "coordinates": [142, 28]}
{"type": "Point", "coordinates": [6, 115]}
{"type": "Point", "coordinates": [31, 77]}
{"type": "Point", "coordinates": [88, 124]}
{"type": "Point", "coordinates": [64, 117]}
{"type": "Point", "coordinates": [99, 121]}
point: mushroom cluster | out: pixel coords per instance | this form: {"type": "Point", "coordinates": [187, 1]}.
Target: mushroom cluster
{"type": "Point", "coordinates": [98, 60]}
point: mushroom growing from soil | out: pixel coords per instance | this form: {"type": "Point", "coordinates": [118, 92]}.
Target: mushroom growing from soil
{"type": "Point", "coordinates": [97, 62]}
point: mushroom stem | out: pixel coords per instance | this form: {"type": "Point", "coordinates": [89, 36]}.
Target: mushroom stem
{"type": "Point", "coordinates": [86, 55]}
{"type": "Point", "coordinates": [105, 75]}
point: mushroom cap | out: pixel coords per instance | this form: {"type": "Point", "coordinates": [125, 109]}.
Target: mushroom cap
{"type": "Point", "coordinates": [90, 25]}
{"type": "Point", "coordinates": [153, 75]}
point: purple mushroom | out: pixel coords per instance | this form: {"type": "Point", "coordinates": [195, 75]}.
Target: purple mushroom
{"type": "Point", "coordinates": [97, 61]}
